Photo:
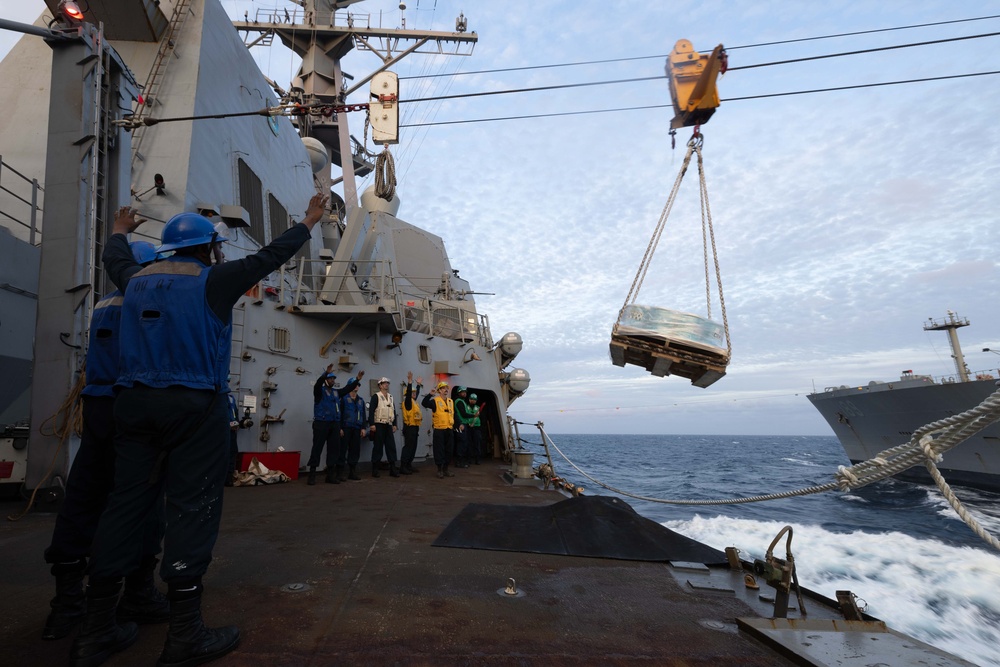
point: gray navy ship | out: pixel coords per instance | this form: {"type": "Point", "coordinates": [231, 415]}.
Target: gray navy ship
{"type": "Point", "coordinates": [868, 419]}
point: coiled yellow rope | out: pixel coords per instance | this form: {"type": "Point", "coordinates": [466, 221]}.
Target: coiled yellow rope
{"type": "Point", "coordinates": [68, 419]}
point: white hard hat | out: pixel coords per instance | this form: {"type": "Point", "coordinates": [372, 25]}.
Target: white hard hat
{"type": "Point", "coordinates": [383, 379]}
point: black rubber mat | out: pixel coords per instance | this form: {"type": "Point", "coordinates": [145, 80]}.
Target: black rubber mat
{"type": "Point", "coordinates": [593, 526]}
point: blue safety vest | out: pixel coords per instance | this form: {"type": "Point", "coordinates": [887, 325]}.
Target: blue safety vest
{"type": "Point", "coordinates": [327, 409]}
{"type": "Point", "coordinates": [354, 412]}
{"type": "Point", "coordinates": [172, 335]}
{"type": "Point", "coordinates": [102, 350]}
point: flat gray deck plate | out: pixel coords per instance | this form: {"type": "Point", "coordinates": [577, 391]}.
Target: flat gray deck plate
{"type": "Point", "coordinates": [842, 643]}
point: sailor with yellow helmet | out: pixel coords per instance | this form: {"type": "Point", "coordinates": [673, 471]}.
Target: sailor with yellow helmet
{"type": "Point", "coordinates": [443, 421]}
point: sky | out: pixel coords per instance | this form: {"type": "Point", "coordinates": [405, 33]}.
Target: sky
{"type": "Point", "coordinates": [843, 220]}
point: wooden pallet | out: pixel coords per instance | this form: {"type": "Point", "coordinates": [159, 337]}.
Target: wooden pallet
{"type": "Point", "coordinates": [671, 357]}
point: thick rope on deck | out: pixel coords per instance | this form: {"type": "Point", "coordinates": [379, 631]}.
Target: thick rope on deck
{"type": "Point", "coordinates": [67, 421]}
{"type": "Point", "coordinates": [926, 446]}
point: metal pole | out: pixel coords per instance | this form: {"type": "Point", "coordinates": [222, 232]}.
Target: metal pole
{"type": "Point", "coordinates": [34, 210]}
{"type": "Point", "coordinates": [28, 29]}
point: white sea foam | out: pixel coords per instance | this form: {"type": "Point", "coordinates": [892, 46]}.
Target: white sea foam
{"type": "Point", "coordinates": [802, 462]}
{"type": "Point", "coordinates": [943, 595]}
{"type": "Point", "coordinates": [987, 515]}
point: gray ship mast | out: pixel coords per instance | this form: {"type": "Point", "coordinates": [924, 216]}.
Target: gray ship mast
{"type": "Point", "coordinates": [322, 37]}
{"type": "Point", "coordinates": [951, 324]}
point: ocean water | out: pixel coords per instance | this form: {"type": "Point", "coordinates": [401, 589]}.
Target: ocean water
{"type": "Point", "coordinates": [896, 545]}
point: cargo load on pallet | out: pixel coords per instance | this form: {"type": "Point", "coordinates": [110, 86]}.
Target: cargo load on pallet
{"type": "Point", "coordinates": [670, 342]}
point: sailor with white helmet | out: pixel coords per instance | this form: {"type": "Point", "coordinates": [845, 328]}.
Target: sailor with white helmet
{"type": "Point", "coordinates": [172, 418]}
{"type": "Point", "coordinates": [382, 417]}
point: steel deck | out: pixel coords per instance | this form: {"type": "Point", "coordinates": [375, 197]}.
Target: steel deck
{"type": "Point", "coordinates": [346, 575]}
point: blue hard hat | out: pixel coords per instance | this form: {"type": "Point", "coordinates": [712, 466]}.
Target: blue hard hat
{"type": "Point", "coordinates": [143, 251]}
{"type": "Point", "coordinates": [186, 229]}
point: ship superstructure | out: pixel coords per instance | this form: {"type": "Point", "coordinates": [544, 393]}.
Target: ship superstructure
{"type": "Point", "coordinates": [372, 292]}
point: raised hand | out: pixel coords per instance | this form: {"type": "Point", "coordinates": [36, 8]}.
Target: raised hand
{"type": "Point", "coordinates": [125, 220]}
{"type": "Point", "coordinates": [315, 210]}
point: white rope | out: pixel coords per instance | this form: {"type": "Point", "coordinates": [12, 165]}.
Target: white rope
{"type": "Point", "coordinates": [927, 446]}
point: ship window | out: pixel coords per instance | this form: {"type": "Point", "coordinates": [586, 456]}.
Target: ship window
{"type": "Point", "coordinates": [278, 216]}
{"type": "Point", "coordinates": [424, 354]}
{"type": "Point", "coordinates": [251, 198]}
{"type": "Point", "coordinates": [279, 339]}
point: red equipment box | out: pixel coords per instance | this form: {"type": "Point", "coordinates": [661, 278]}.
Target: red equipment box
{"type": "Point", "coordinates": [286, 462]}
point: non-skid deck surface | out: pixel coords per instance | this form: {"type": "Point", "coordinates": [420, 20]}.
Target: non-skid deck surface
{"type": "Point", "coordinates": [590, 526]}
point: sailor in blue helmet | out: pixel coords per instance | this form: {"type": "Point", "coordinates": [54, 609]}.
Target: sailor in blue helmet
{"type": "Point", "coordinates": [90, 480]}
{"type": "Point", "coordinates": [172, 425]}
{"type": "Point", "coordinates": [326, 427]}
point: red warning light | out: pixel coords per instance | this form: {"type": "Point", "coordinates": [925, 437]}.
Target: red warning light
{"type": "Point", "coordinates": [71, 10]}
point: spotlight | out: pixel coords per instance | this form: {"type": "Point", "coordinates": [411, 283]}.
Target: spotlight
{"type": "Point", "coordinates": [397, 338]}
{"type": "Point", "coordinates": [158, 184]}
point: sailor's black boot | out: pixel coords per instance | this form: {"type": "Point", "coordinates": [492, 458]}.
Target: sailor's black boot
{"type": "Point", "coordinates": [331, 476]}
{"type": "Point", "coordinates": [101, 637]}
{"type": "Point", "coordinates": [340, 474]}
{"type": "Point", "coordinates": [312, 477]}
{"type": "Point", "coordinates": [69, 604]}
{"type": "Point", "coordinates": [142, 602]}
{"type": "Point", "coordinates": [189, 642]}
{"type": "Point", "coordinates": [353, 475]}
{"type": "Point", "coordinates": [375, 470]}
{"type": "Point", "coordinates": [393, 471]}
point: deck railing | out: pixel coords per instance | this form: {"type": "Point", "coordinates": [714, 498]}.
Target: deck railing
{"type": "Point", "coordinates": [27, 215]}
{"type": "Point", "coordinates": [362, 285]}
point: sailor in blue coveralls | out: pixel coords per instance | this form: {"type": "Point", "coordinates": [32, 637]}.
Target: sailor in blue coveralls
{"type": "Point", "coordinates": [172, 419]}
{"type": "Point", "coordinates": [90, 481]}
{"type": "Point", "coordinates": [326, 425]}
{"type": "Point", "coordinates": [353, 421]}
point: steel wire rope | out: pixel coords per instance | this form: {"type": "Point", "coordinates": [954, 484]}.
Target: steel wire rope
{"type": "Point", "coordinates": [640, 275]}
{"type": "Point", "coordinates": [706, 213]}
{"type": "Point", "coordinates": [863, 51]}
{"type": "Point", "coordinates": [729, 99]}
{"type": "Point", "coordinates": [413, 148]}
{"type": "Point", "coordinates": [731, 69]}
{"type": "Point", "coordinates": [926, 446]}
{"type": "Point", "coordinates": [728, 48]}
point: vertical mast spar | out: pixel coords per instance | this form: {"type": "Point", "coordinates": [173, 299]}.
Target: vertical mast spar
{"type": "Point", "coordinates": [322, 38]}
{"type": "Point", "coordinates": [951, 324]}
